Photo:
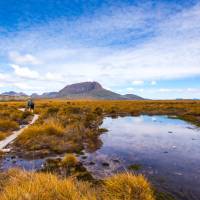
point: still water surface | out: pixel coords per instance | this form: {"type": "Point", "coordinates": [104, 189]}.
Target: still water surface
{"type": "Point", "coordinates": [167, 149]}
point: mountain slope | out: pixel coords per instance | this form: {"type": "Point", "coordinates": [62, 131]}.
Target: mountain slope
{"type": "Point", "coordinates": [133, 97]}
{"type": "Point", "coordinates": [86, 90]}
{"type": "Point", "coordinates": [80, 88]}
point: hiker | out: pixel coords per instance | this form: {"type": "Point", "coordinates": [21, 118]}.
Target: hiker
{"type": "Point", "coordinates": [30, 105]}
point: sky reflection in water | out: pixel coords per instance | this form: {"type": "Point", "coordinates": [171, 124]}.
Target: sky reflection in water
{"type": "Point", "coordinates": [168, 149]}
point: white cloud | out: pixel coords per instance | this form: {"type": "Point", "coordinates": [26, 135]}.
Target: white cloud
{"type": "Point", "coordinates": [194, 90]}
{"type": "Point", "coordinates": [53, 77]}
{"type": "Point", "coordinates": [138, 82]}
{"type": "Point", "coordinates": [174, 90]}
{"type": "Point", "coordinates": [165, 93]}
{"type": "Point", "coordinates": [25, 72]}
{"type": "Point", "coordinates": [153, 82]}
{"type": "Point", "coordinates": [3, 77]}
{"type": "Point", "coordinates": [27, 87]}
{"type": "Point", "coordinates": [134, 90]}
{"type": "Point", "coordinates": [23, 59]}
{"type": "Point", "coordinates": [22, 86]}
{"type": "Point", "coordinates": [165, 90]}
{"type": "Point", "coordinates": [114, 48]}
{"type": "Point", "coordinates": [130, 89]}
{"type": "Point", "coordinates": [172, 53]}
{"type": "Point", "coordinates": [141, 90]}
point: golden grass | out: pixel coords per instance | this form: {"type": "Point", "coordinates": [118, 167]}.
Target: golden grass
{"type": "Point", "coordinates": [20, 185]}
{"type": "Point", "coordinates": [41, 186]}
{"type": "Point", "coordinates": [48, 128]}
{"type": "Point", "coordinates": [127, 186]}
{"type": "Point", "coordinates": [48, 135]}
{"type": "Point", "coordinates": [69, 160]}
{"type": "Point", "coordinates": [187, 109]}
{"type": "Point", "coordinates": [8, 125]}
{"type": "Point", "coordinates": [71, 126]}
{"type": "Point", "coordinates": [183, 108]}
{"type": "Point", "coordinates": [3, 135]}
{"type": "Point", "coordinates": [60, 129]}
{"type": "Point", "coordinates": [11, 118]}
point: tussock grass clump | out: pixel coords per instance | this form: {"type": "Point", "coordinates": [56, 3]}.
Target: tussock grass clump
{"type": "Point", "coordinates": [23, 185]}
{"type": "Point", "coordinates": [48, 128]}
{"type": "Point", "coordinates": [31, 186]}
{"type": "Point", "coordinates": [11, 118]}
{"type": "Point", "coordinates": [129, 187]}
{"type": "Point", "coordinates": [8, 125]}
{"type": "Point", "coordinates": [52, 127]}
{"type": "Point", "coordinates": [2, 135]}
{"type": "Point", "coordinates": [69, 160]}
{"type": "Point", "coordinates": [47, 136]}
{"type": "Point", "coordinates": [98, 111]}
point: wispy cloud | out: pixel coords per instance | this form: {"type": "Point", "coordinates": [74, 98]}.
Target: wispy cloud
{"type": "Point", "coordinates": [23, 59]}
{"type": "Point", "coordinates": [153, 82]}
{"type": "Point", "coordinates": [137, 82]}
{"type": "Point", "coordinates": [25, 72]}
{"type": "Point", "coordinates": [117, 46]}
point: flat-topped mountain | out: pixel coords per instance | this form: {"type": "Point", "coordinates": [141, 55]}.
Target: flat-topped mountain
{"type": "Point", "coordinates": [84, 90]}
{"type": "Point", "coordinates": [87, 90]}
{"type": "Point", "coordinates": [80, 88]}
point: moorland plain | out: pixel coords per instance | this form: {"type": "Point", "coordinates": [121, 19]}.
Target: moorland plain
{"type": "Point", "coordinates": [69, 127]}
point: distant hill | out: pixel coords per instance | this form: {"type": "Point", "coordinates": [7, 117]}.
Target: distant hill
{"type": "Point", "coordinates": [87, 90]}
{"type": "Point", "coordinates": [45, 95]}
{"type": "Point", "coordinates": [9, 96]}
{"type": "Point", "coordinates": [14, 94]}
{"type": "Point", "coordinates": [132, 96]}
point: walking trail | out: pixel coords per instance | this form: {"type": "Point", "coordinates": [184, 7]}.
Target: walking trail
{"type": "Point", "coordinates": [15, 134]}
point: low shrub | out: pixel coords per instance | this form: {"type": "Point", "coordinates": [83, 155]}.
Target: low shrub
{"type": "Point", "coordinates": [90, 118]}
{"type": "Point", "coordinates": [8, 125]}
{"type": "Point", "coordinates": [74, 110]}
{"type": "Point", "coordinates": [98, 111]}
{"type": "Point", "coordinates": [52, 110]}
{"type": "Point", "coordinates": [69, 160]}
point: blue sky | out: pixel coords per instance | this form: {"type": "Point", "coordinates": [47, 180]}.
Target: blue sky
{"type": "Point", "coordinates": [150, 48]}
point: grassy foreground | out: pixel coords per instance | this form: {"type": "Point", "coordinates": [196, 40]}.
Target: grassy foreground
{"type": "Point", "coordinates": [71, 126]}
{"type": "Point", "coordinates": [20, 185]}
{"type": "Point", "coordinates": [11, 118]}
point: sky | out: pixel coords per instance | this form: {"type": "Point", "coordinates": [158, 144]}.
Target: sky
{"type": "Point", "coordinates": [146, 47]}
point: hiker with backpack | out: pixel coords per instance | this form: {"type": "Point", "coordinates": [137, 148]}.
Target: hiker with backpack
{"type": "Point", "coordinates": [30, 105]}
